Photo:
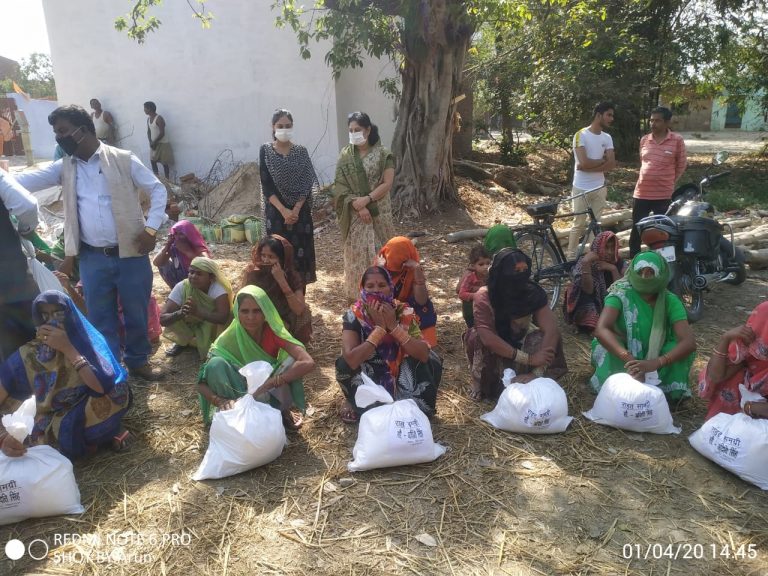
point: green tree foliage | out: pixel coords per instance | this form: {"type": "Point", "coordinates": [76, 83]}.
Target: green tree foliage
{"type": "Point", "coordinates": [35, 77]}
{"type": "Point", "coordinates": [550, 67]}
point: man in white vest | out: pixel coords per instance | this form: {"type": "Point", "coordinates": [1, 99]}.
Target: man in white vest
{"type": "Point", "coordinates": [104, 226]}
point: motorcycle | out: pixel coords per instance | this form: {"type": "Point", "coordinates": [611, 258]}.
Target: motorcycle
{"type": "Point", "coordinates": [692, 242]}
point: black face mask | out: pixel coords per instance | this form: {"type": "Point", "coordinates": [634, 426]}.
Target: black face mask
{"type": "Point", "coordinates": [68, 143]}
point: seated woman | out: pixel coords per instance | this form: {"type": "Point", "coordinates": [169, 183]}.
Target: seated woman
{"type": "Point", "coordinates": [401, 259]}
{"type": "Point", "coordinates": [80, 389]}
{"type": "Point", "coordinates": [740, 357]}
{"type": "Point", "coordinates": [381, 338]}
{"type": "Point", "coordinates": [504, 336]}
{"type": "Point", "coordinates": [644, 329]}
{"type": "Point", "coordinates": [592, 276]}
{"type": "Point", "coordinates": [198, 309]}
{"type": "Point", "coordinates": [183, 245]}
{"type": "Point", "coordinates": [256, 333]}
{"type": "Point", "coordinates": [273, 271]}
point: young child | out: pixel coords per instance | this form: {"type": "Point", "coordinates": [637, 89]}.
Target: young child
{"type": "Point", "coordinates": [474, 278]}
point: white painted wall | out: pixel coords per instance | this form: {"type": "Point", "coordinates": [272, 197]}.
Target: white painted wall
{"type": "Point", "coordinates": [41, 134]}
{"type": "Point", "coordinates": [216, 88]}
{"type": "Point", "coordinates": [357, 89]}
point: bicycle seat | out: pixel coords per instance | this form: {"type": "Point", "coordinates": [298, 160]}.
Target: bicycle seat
{"type": "Point", "coordinates": [542, 209]}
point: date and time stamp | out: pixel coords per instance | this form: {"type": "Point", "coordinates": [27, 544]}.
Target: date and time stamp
{"type": "Point", "coordinates": [690, 551]}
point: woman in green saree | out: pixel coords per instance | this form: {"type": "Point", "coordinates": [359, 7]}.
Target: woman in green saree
{"type": "Point", "coordinates": [198, 308]}
{"type": "Point", "coordinates": [643, 330]}
{"type": "Point", "coordinates": [364, 174]}
{"type": "Point", "coordinates": [256, 333]}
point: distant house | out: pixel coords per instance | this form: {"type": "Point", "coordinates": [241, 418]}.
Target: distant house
{"type": "Point", "coordinates": [216, 88]}
{"type": "Point", "coordinates": [695, 114]}
{"type": "Point", "coordinates": [8, 68]}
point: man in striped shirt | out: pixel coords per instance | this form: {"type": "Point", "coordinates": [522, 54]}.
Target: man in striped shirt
{"type": "Point", "coordinates": [663, 161]}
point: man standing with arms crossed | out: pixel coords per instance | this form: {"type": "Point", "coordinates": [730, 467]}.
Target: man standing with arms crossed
{"type": "Point", "coordinates": [662, 162]}
{"type": "Point", "coordinates": [593, 154]}
{"type": "Point", "coordinates": [105, 227]}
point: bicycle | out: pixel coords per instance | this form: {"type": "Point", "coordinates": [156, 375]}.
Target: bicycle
{"type": "Point", "coordinates": [549, 263]}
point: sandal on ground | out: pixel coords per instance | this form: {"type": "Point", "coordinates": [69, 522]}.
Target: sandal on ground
{"type": "Point", "coordinates": [292, 419]}
{"type": "Point", "coordinates": [122, 441]}
{"type": "Point", "coordinates": [174, 350]}
{"type": "Point", "coordinates": [348, 414]}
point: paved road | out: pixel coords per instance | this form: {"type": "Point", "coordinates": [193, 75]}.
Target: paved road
{"type": "Point", "coordinates": [734, 141]}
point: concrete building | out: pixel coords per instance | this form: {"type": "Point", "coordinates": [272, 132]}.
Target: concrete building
{"type": "Point", "coordinates": [216, 88]}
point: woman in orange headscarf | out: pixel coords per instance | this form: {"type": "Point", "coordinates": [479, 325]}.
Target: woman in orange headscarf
{"type": "Point", "coordinates": [401, 259]}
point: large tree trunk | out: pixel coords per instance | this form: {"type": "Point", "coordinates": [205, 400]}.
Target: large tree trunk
{"type": "Point", "coordinates": [462, 139]}
{"type": "Point", "coordinates": [435, 48]}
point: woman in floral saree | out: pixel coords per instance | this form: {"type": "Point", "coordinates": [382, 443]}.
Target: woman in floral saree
{"type": "Point", "coordinates": [80, 389]}
{"type": "Point", "coordinates": [381, 338]}
{"type": "Point", "coordinates": [739, 357]}
{"type": "Point", "coordinates": [364, 174]}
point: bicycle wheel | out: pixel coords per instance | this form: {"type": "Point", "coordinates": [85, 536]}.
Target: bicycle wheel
{"type": "Point", "coordinates": [543, 257]}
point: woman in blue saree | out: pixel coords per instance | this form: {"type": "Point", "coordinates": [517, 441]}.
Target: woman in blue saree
{"type": "Point", "coordinates": [80, 389]}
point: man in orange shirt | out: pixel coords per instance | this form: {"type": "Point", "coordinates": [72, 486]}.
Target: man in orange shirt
{"type": "Point", "coordinates": [663, 161]}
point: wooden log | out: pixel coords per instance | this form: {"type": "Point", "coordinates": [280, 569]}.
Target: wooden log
{"type": "Point", "coordinates": [757, 259]}
{"type": "Point", "coordinates": [466, 235]}
{"type": "Point", "coordinates": [751, 237]}
{"type": "Point", "coordinates": [737, 223]}
{"type": "Point", "coordinates": [613, 218]}
{"type": "Point", "coordinates": [472, 170]}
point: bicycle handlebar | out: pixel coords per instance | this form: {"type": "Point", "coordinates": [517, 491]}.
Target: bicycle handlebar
{"type": "Point", "coordinates": [580, 194]}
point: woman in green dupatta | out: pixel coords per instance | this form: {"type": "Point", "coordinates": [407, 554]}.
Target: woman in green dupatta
{"type": "Point", "coordinates": [643, 330]}
{"type": "Point", "coordinates": [364, 174]}
{"type": "Point", "coordinates": [256, 333]}
{"type": "Point", "coordinates": [198, 308]}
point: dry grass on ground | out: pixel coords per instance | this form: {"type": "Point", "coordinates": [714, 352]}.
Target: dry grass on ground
{"type": "Point", "coordinates": [496, 503]}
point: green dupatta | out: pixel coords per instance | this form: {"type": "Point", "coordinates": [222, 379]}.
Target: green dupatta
{"type": "Point", "coordinates": [654, 285]}
{"type": "Point", "coordinates": [351, 182]}
{"type": "Point", "coordinates": [237, 347]}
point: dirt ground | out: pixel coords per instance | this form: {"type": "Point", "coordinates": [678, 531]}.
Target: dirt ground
{"type": "Point", "coordinates": [592, 500]}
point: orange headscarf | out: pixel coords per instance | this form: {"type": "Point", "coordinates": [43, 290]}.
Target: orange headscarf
{"type": "Point", "coordinates": [392, 257]}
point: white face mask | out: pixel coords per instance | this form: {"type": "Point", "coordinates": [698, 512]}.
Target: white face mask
{"type": "Point", "coordinates": [356, 138]}
{"type": "Point", "coordinates": [284, 134]}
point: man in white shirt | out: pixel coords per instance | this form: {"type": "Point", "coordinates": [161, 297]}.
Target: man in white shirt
{"type": "Point", "coordinates": [17, 287]}
{"type": "Point", "coordinates": [105, 227]}
{"type": "Point", "coordinates": [593, 155]}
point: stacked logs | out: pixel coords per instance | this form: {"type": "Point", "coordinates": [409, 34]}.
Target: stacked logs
{"type": "Point", "coordinates": [750, 232]}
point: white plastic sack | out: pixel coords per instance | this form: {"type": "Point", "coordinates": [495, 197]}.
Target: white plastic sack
{"type": "Point", "coordinates": [20, 423]}
{"type": "Point", "coordinates": [396, 434]}
{"type": "Point", "coordinates": [749, 396]}
{"type": "Point", "coordinates": [44, 278]}
{"type": "Point", "coordinates": [539, 407]}
{"type": "Point", "coordinates": [40, 483]}
{"type": "Point", "coordinates": [736, 442]}
{"type": "Point", "coordinates": [625, 403]}
{"type": "Point", "coordinates": [249, 435]}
